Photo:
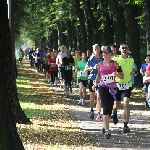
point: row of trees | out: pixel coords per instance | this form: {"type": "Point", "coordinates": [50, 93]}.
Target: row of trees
{"type": "Point", "coordinates": [81, 23]}
{"type": "Point", "coordinates": [74, 23]}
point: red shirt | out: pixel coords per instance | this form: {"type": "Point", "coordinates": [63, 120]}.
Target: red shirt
{"type": "Point", "coordinates": [148, 67]}
{"type": "Point", "coordinates": [52, 67]}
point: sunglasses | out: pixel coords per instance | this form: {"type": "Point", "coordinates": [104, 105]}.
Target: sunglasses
{"type": "Point", "coordinates": [124, 48]}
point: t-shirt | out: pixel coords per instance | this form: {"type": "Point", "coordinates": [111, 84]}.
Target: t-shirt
{"type": "Point", "coordinates": [60, 56]}
{"type": "Point", "coordinates": [148, 67]}
{"type": "Point", "coordinates": [67, 61]}
{"type": "Point", "coordinates": [76, 59]}
{"type": "Point", "coordinates": [143, 67]}
{"type": "Point", "coordinates": [81, 74]}
{"type": "Point", "coordinates": [92, 61]}
{"type": "Point", "coordinates": [20, 54]}
{"type": "Point", "coordinates": [52, 67]}
{"type": "Point", "coordinates": [37, 56]}
{"type": "Point", "coordinates": [127, 66]}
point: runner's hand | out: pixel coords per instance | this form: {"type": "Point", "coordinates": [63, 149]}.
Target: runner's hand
{"type": "Point", "coordinates": [113, 74]}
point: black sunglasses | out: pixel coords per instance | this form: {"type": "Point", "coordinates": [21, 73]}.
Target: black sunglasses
{"type": "Point", "coordinates": [124, 48]}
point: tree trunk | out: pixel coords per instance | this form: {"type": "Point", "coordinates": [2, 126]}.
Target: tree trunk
{"type": "Point", "coordinates": [55, 39]}
{"type": "Point", "coordinates": [90, 36]}
{"type": "Point", "coordinates": [146, 9]}
{"type": "Point", "coordinates": [94, 21]}
{"type": "Point", "coordinates": [8, 132]}
{"type": "Point", "coordinates": [133, 37]}
{"type": "Point", "coordinates": [119, 21]}
{"type": "Point", "coordinates": [83, 31]}
{"type": "Point", "coordinates": [74, 35]}
{"type": "Point", "coordinates": [69, 33]}
{"type": "Point", "coordinates": [63, 38]}
{"type": "Point", "coordinates": [79, 40]}
{"type": "Point", "coordinates": [108, 31]}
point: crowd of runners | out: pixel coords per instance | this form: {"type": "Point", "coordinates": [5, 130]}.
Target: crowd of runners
{"type": "Point", "coordinates": [109, 76]}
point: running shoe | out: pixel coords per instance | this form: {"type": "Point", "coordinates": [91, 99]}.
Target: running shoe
{"type": "Point", "coordinates": [67, 96]}
{"type": "Point", "coordinates": [126, 129]}
{"type": "Point", "coordinates": [99, 117]}
{"type": "Point", "coordinates": [107, 134]}
{"type": "Point", "coordinates": [80, 102]}
{"type": "Point", "coordinates": [92, 115]}
{"type": "Point", "coordinates": [103, 130]}
{"type": "Point", "coordinates": [70, 89]}
{"type": "Point", "coordinates": [55, 83]}
{"type": "Point", "coordinates": [83, 102]}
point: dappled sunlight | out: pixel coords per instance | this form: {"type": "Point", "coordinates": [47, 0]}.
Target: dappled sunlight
{"type": "Point", "coordinates": [52, 126]}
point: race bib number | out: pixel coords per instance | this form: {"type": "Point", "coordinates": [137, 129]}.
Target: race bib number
{"type": "Point", "coordinates": [122, 86]}
{"type": "Point", "coordinates": [68, 67]}
{"type": "Point", "coordinates": [108, 78]}
{"type": "Point", "coordinates": [82, 74]}
{"type": "Point", "coordinates": [53, 65]}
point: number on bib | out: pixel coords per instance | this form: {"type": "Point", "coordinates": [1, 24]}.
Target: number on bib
{"type": "Point", "coordinates": [82, 74]}
{"type": "Point", "coordinates": [108, 78]}
{"type": "Point", "coordinates": [122, 86]}
{"type": "Point", "coordinates": [67, 67]}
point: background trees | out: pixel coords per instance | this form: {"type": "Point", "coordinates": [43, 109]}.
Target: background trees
{"type": "Point", "coordinates": [79, 24]}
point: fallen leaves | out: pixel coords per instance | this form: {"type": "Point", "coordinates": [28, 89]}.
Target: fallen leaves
{"type": "Point", "coordinates": [52, 126]}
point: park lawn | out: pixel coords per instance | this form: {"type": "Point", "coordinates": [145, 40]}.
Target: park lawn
{"type": "Point", "coordinates": [52, 128]}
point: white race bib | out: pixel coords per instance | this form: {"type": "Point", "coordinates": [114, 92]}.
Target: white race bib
{"type": "Point", "coordinates": [122, 86]}
{"type": "Point", "coordinates": [68, 67]}
{"type": "Point", "coordinates": [82, 74]}
{"type": "Point", "coordinates": [108, 78]}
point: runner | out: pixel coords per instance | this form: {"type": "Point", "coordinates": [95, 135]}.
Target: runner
{"type": "Point", "coordinates": [53, 68]}
{"type": "Point", "coordinates": [68, 62]}
{"type": "Point", "coordinates": [59, 58]}
{"type": "Point", "coordinates": [107, 86]}
{"type": "Point", "coordinates": [142, 71]}
{"type": "Point", "coordinates": [77, 58]}
{"type": "Point", "coordinates": [36, 56]}
{"type": "Point", "coordinates": [82, 78]}
{"type": "Point", "coordinates": [20, 55]}
{"type": "Point", "coordinates": [146, 80]}
{"type": "Point", "coordinates": [124, 86]}
{"type": "Point", "coordinates": [92, 67]}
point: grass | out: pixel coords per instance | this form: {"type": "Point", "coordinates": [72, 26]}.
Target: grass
{"type": "Point", "coordinates": [52, 128]}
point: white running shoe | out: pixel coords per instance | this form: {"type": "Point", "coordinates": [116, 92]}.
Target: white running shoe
{"type": "Point", "coordinates": [80, 102]}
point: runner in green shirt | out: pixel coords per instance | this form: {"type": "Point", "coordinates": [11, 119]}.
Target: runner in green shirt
{"type": "Point", "coordinates": [20, 55]}
{"type": "Point", "coordinates": [82, 78]}
{"type": "Point", "coordinates": [124, 86]}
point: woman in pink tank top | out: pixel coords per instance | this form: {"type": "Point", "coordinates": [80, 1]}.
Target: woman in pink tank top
{"type": "Point", "coordinates": [107, 70]}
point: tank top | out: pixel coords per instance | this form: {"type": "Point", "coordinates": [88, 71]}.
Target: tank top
{"type": "Point", "coordinates": [106, 79]}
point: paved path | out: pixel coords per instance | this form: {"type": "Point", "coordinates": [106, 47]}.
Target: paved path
{"type": "Point", "coordinates": [138, 138]}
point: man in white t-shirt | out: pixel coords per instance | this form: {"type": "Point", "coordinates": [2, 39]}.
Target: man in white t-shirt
{"type": "Point", "coordinates": [59, 58]}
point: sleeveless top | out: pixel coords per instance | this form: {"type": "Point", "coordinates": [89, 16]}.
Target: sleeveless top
{"type": "Point", "coordinates": [106, 79]}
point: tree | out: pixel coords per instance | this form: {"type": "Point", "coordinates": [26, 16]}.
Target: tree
{"type": "Point", "coordinates": [146, 9]}
{"type": "Point", "coordinates": [9, 138]}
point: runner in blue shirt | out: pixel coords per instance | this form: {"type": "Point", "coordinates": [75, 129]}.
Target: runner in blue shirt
{"type": "Point", "coordinates": [92, 67]}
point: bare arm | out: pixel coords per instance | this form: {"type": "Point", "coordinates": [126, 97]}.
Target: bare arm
{"type": "Point", "coordinates": [98, 75]}
{"type": "Point", "coordinates": [141, 71]}
{"type": "Point", "coordinates": [146, 78]}
{"type": "Point", "coordinates": [119, 70]}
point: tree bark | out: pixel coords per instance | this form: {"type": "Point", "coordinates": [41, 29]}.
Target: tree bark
{"type": "Point", "coordinates": [8, 132]}
{"type": "Point", "coordinates": [82, 21]}
{"type": "Point", "coordinates": [133, 36]}
{"type": "Point", "coordinates": [146, 9]}
{"type": "Point", "coordinates": [119, 21]}
{"type": "Point", "coordinates": [69, 33]}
